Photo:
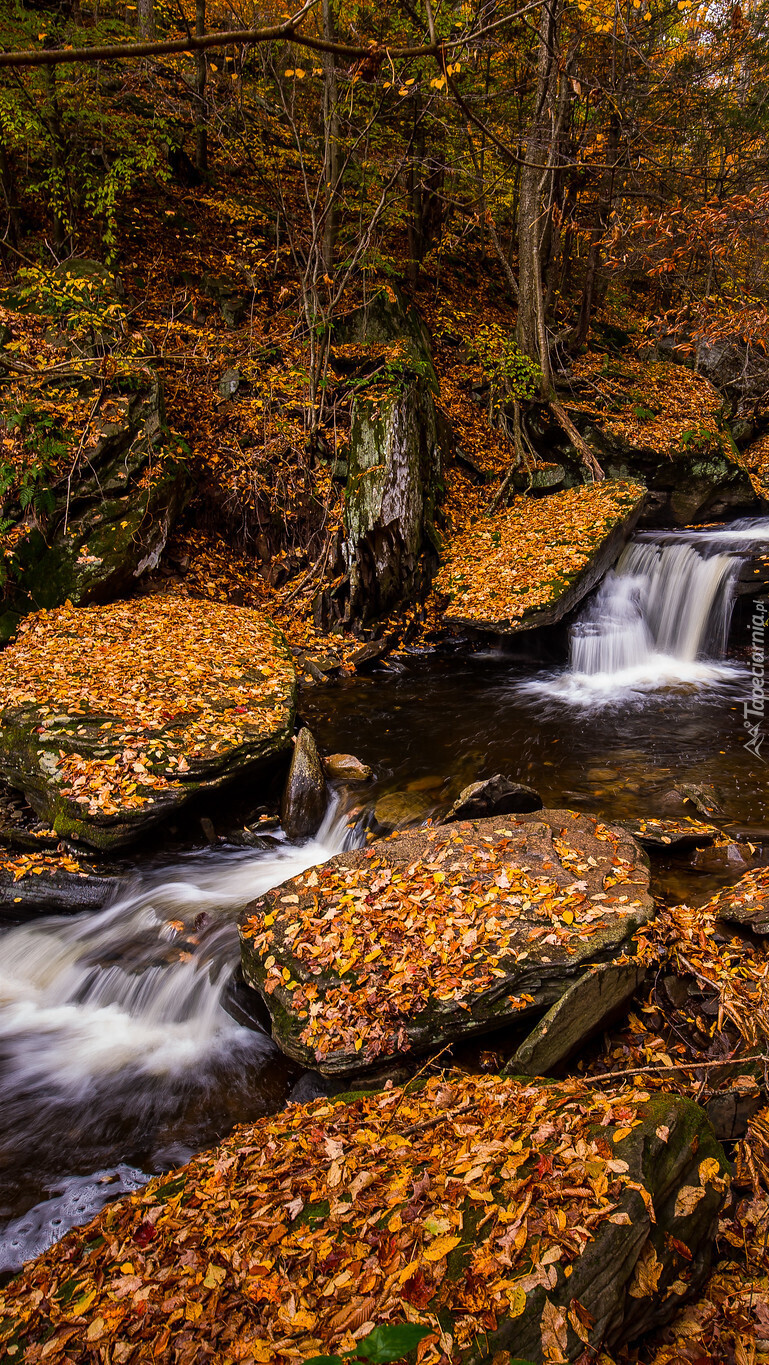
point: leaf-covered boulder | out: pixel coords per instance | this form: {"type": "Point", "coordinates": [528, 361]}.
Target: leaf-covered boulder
{"type": "Point", "coordinates": [541, 1220]}
{"type": "Point", "coordinates": [112, 717]}
{"type": "Point", "coordinates": [440, 933]}
{"type": "Point", "coordinates": [536, 561]}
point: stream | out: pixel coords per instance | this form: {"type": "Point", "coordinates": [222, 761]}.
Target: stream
{"type": "Point", "coordinates": [120, 1049]}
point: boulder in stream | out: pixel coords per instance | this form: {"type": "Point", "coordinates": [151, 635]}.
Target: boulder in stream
{"type": "Point", "coordinates": [496, 795]}
{"type": "Point", "coordinates": [440, 933]}
{"type": "Point", "coordinates": [538, 559]}
{"type": "Point", "coordinates": [511, 1218]}
{"type": "Point", "coordinates": [346, 768]}
{"type": "Point", "coordinates": [113, 717]}
{"type": "Point", "coordinates": [304, 796]}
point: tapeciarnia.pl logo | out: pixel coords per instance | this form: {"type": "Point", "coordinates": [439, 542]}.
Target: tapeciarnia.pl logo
{"type": "Point", "coordinates": [754, 707]}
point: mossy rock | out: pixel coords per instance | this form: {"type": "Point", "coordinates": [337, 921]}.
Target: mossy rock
{"type": "Point", "coordinates": [543, 1221]}
{"type": "Point", "coordinates": [440, 933]}
{"type": "Point", "coordinates": [109, 523]}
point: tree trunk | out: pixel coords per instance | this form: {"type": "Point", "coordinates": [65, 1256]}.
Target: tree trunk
{"type": "Point", "coordinates": [146, 18]}
{"type": "Point", "coordinates": [8, 186]}
{"type": "Point", "coordinates": [332, 159]}
{"type": "Point", "coordinates": [201, 107]}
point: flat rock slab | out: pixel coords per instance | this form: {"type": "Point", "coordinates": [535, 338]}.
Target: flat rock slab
{"type": "Point", "coordinates": [536, 561]}
{"type": "Point", "coordinates": [53, 883]}
{"type": "Point", "coordinates": [593, 1000]}
{"type": "Point", "coordinates": [673, 834]}
{"type": "Point", "coordinates": [113, 717]}
{"type": "Point", "coordinates": [544, 1221]}
{"type": "Point", "coordinates": [746, 903]}
{"type": "Point", "coordinates": [439, 933]}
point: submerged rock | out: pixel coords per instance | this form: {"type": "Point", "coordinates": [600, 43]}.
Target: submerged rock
{"type": "Point", "coordinates": [496, 795]}
{"type": "Point", "coordinates": [440, 933]}
{"type": "Point", "coordinates": [537, 560]}
{"type": "Point", "coordinates": [346, 768]}
{"type": "Point", "coordinates": [113, 717]}
{"type": "Point", "coordinates": [399, 810]}
{"type": "Point", "coordinates": [304, 796]}
{"type": "Point", "coordinates": [542, 1221]}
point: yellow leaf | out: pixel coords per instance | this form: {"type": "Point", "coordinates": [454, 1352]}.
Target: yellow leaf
{"type": "Point", "coordinates": [516, 1299]}
{"type": "Point", "coordinates": [622, 1133]}
{"type": "Point", "coordinates": [568, 916]}
{"type": "Point", "coordinates": [708, 1170]}
{"type": "Point", "coordinates": [215, 1275]}
{"type": "Point", "coordinates": [441, 1247]}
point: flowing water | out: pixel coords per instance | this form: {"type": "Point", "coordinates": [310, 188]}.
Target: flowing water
{"type": "Point", "coordinates": [119, 1052]}
{"type": "Point", "coordinates": [115, 1044]}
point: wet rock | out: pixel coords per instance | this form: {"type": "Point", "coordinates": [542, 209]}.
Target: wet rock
{"type": "Point", "coordinates": [469, 1161]}
{"type": "Point", "coordinates": [372, 653]}
{"type": "Point", "coordinates": [398, 810]}
{"type": "Point", "coordinates": [746, 903]}
{"type": "Point", "coordinates": [538, 559]}
{"type": "Point", "coordinates": [55, 883]}
{"type": "Point", "coordinates": [114, 717]}
{"type": "Point", "coordinates": [346, 768]}
{"type": "Point", "coordinates": [593, 1001]}
{"type": "Point", "coordinates": [304, 796]}
{"type": "Point", "coordinates": [496, 795]}
{"type": "Point", "coordinates": [656, 834]}
{"type": "Point", "coordinates": [109, 524]}
{"type": "Point", "coordinates": [458, 929]}
{"type": "Point", "coordinates": [702, 798]}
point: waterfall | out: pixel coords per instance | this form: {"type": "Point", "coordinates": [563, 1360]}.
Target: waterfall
{"type": "Point", "coordinates": [660, 618]}
{"type": "Point", "coordinates": [114, 1037]}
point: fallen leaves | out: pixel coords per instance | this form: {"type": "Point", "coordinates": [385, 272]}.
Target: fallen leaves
{"type": "Point", "coordinates": [500, 574]}
{"type": "Point", "coordinates": [222, 1253]}
{"type": "Point", "coordinates": [434, 925]}
{"type": "Point", "coordinates": [115, 707]}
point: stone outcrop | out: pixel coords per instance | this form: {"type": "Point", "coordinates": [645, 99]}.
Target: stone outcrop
{"type": "Point", "coordinates": [513, 1219]}
{"type": "Point", "coordinates": [536, 561]}
{"type": "Point", "coordinates": [106, 519]}
{"type": "Point", "coordinates": [113, 717]}
{"type": "Point", "coordinates": [392, 485]}
{"type": "Point", "coordinates": [440, 933]}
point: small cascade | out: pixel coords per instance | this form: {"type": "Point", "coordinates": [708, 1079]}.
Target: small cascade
{"type": "Point", "coordinates": [113, 1027]}
{"type": "Point", "coordinates": [660, 618]}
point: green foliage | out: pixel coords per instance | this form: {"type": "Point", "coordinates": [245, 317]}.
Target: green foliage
{"type": "Point", "coordinates": [381, 1346]}
{"type": "Point", "coordinates": [643, 414]}
{"type": "Point", "coordinates": [512, 374]}
{"type": "Point", "coordinates": [44, 441]}
{"type": "Point", "coordinates": [80, 300]}
{"type": "Point", "coordinates": [699, 441]}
